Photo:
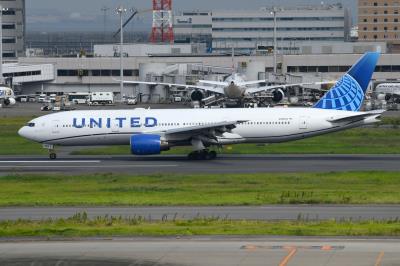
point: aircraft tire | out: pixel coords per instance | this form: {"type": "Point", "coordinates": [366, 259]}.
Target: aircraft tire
{"type": "Point", "coordinates": [212, 155]}
{"type": "Point", "coordinates": [53, 156]}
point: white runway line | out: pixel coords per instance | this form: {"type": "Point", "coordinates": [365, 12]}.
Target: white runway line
{"type": "Point", "coordinates": [85, 166]}
{"type": "Point", "coordinates": [50, 162]}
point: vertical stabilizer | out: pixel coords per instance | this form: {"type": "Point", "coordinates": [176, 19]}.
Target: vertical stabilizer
{"type": "Point", "coordinates": [349, 92]}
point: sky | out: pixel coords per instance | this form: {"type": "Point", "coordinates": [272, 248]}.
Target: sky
{"type": "Point", "coordinates": [86, 15]}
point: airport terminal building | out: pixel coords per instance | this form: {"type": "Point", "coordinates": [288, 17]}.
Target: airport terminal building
{"type": "Point", "coordinates": [251, 31]}
{"type": "Point", "coordinates": [13, 21]}
{"type": "Point", "coordinates": [65, 75]}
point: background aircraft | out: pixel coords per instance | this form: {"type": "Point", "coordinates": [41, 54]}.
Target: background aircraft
{"type": "Point", "coordinates": [7, 97]}
{"type": "Point", "coordinates": [388, 91]}
{"type": "Point", "coordinates": [234, 87]}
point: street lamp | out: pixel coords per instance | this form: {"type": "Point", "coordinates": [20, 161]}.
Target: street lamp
{"type": "Point", "coordinates": [121, 11]}
{"type": "Point", "coordinates": [273, 12]}
{"type": "Point", "coordinates": [2, 9]}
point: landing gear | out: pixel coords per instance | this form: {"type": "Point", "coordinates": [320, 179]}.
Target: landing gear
{"type": "Point", "coordinates": [52, 151]}
{"type": "Point", "coordinates": [202, 155]}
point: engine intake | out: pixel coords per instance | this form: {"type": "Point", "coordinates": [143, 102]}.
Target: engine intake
{"type": "Point", "coordinates": [10, 101]}
{"type": "Point", "coordinates": [197, 96]}
{"type": "Point", "coordinates": [147, 144]}
{"type": "Point", "coordinates": [278, 95]}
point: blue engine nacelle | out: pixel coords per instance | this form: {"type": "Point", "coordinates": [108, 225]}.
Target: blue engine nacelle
{"type": "Point", "coordinates": [147, 144]}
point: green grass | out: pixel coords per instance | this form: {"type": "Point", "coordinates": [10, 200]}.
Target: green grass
{"type": "Point", "coordinates": [12, 143]}
{"type": "Point", "coordinates": [81, 226]}
{"type": "Point", "coordinates": [357, 141]}
{"type": "Point", "coordinates": [197, 190]}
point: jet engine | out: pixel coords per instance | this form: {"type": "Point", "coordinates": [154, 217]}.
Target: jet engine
{"type": "Point", "coordinates": [278, 95]}
{"type": "Point", "coordinates": [147, 144]}
{"type": "Point", "coordinates": [197, 96]}
{"type": "Point", "coordinates": [9, 101]}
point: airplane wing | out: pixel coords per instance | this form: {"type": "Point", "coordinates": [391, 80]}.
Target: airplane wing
{"type": "Point", "coordinates": [284, 86]}
{"type": "Point", "coordinates": [222, 126]}
{"type": "Point", "coordinates": [215, 83]}
{"type": "Point", "coordinates": [254, 82]}
{"type": "Point", "coordinates": [357, 117]}
{"type": "Point", "coordinates": [208, 133]}
{"type": "Point", "coordinates": [199, 87]}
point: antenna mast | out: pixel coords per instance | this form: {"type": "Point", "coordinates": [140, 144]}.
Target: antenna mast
{"type": "Point", "coordinates": [162, 22]}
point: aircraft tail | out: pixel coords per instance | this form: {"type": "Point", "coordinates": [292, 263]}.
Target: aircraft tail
{"type": "Point", "coordinates": [349, 92]}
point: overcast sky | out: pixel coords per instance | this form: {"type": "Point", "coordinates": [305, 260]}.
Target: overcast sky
{"type": "Point", "coordinates": [86, 15]}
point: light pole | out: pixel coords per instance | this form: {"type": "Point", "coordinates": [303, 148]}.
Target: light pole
{"type": "Point", "coordinates": [273, 12]}
{"type": "Point", "coordinates": [1, 43]}
{"type": "Point", "coordinates": [121, 11]}
{"type": "Point", "coordinates": [104, 9]}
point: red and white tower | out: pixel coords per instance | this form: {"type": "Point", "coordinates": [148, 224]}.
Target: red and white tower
{"type": "Point", "coordinates": [162, 22]}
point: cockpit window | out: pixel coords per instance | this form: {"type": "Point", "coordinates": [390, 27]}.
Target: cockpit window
{"type": "Point", "coordinates": [31, 124]}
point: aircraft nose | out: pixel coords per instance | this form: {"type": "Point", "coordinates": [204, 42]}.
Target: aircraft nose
{"type": "Point", "coordinates": [23, 132]}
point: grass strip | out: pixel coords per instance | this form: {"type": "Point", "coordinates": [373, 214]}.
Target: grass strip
{"type": "Point", "coordinates": [81, 226]}
{"type": "Point", "coordinates": [200, 190]}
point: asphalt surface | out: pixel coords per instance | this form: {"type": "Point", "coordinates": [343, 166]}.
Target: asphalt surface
{"type": "Point", "coordinates": [180, 164]}
{"type": "Point", "coordinates": [271, 212]}
{"type": "Point", "coordinates": [219, 251]}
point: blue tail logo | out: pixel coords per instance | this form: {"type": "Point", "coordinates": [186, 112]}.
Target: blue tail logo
{"type": "Point", "coordinates": [349, 92]}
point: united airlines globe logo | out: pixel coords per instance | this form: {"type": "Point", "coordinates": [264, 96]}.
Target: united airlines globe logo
{"type": "Point", "coordinates": [346, 95]}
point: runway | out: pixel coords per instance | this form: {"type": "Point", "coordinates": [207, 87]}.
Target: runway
{"type": "Point", "coordinates": [219, 251]}
{"type": "Point", "coordinates": [225, 164]}
{"type": "Point", "coordinates": [271, 212]}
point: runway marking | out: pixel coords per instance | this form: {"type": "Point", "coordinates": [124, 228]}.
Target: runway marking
{"type": "Point", "coordinates": [83, 161]}
{"type": "Point", "coordinates": [86, 166]}
{"type": "Point", "coordinates": [286, 259]}
{"type": "Point", "coordinates": [322, 248]}
{"type": "Point", "coordinates": [379, 259]}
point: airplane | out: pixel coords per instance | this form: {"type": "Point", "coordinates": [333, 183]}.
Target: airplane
{"type": "Point", "coordinates": [7, 97]}
{"type": "Point", "coordinates": [234, 87]}
{"type": "Point", "coordinates": [150, 132]}
{"type": "Point", "coordinates": [388, 91]}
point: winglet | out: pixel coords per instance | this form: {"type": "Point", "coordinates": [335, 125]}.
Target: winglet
{"type": "Point", "coordinates": [349, 92]}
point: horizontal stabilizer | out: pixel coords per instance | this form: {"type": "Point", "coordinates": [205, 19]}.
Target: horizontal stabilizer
{"type": "Point", "coordinates": [358, 117]}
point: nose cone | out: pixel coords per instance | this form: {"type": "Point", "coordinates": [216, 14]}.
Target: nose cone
{"type": "Point", "coordinates": [25, 133]}
{"type": "Point", "coordinates": [22, 132]}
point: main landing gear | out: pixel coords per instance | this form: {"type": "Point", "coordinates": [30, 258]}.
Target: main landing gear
{"type": "Point", "coordinates": [202, 155]}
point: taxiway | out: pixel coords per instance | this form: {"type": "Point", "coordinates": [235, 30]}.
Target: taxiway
{"type": "Point", "coordinates": [204, 251]}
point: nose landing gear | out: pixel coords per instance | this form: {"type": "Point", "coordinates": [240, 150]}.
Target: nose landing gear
{"type": "Point", "coordinates": [52, 151]}
{"type": "Point", "coordinates": [52, 156]}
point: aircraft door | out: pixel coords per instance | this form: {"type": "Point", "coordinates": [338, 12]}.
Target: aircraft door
{"type": "Point", "coordinates": [303, 122]}
{"type": "Point", "coordinates": [115, 126]}
{"type": "Point", "coordinates": [55, 126]}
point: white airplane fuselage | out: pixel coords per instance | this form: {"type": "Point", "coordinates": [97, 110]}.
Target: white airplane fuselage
{"type": "Point", "coordinates": [115, 127]}
{"type": "Point", "coordinates": [233, 90]}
